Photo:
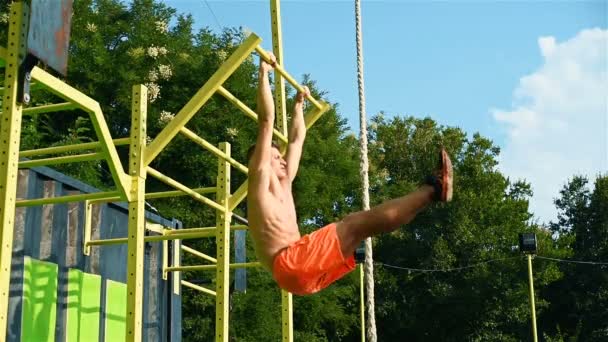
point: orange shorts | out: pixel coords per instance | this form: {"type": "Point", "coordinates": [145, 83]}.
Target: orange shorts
{"type": "Point", "coordinates": [312, 263]}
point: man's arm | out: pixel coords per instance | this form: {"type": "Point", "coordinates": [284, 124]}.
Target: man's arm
{"type": "Point", "coordinates": [297, 134]}
{"type": "Point", "coordinates": [265, 109]}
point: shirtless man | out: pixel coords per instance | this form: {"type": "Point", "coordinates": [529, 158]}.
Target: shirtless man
{"type": "Point", "coordinates": [305, 265]}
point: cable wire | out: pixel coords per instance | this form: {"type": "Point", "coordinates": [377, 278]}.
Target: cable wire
{"type": "Point", "coordinates": [411, 269]}
{"type": "Point", "coordinates": [217, 21]}
{"type": "Point", "coordinates": [446, 269]}
{"type": "Point", "coordinates": [573, 261]}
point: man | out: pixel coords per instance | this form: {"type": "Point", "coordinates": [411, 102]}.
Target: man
{"type": "Point", "coordinates": [305, 265]}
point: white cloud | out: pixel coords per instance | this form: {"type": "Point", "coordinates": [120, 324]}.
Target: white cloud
{"type": "Point", "coordinates": [558, 122]}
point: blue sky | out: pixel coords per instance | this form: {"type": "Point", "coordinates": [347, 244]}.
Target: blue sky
{"type": "Point", "coordinates": [472, 64]}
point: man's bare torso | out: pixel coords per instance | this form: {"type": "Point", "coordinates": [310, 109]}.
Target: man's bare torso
{"type": "Point", "coordinates": [272, 215]}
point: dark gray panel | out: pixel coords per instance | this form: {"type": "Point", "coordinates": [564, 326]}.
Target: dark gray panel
{"type": "Point", "coordinates": [55, 233]}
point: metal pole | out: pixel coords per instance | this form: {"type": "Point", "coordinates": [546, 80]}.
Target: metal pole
{"type": "Point", "coordinates": [137, 220]}
{"type": "Point", "coordinates": [362, 300]}
{"type": "Point", "coordinates": [10, 134]}
{"type": "Point", "coordinates": [532, 307]}
{"type": "Point", "coordinates": [223, 219]}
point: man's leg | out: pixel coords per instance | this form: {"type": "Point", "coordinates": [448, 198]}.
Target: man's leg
{"type": "Point", "coordinates": [389, 215]}
{"type": "Point", "coordinates": [383, 218]}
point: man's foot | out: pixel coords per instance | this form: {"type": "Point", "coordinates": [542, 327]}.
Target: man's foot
{"type": "Point", "coordinates": [442, 180]}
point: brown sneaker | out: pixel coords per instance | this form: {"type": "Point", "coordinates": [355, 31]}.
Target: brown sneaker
{"type": "Point", "coordinates": [443, 178]}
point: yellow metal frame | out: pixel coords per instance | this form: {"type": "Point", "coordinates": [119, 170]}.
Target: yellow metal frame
{"type": "Point", "coordinates": [532, 306]}
{"type": "Point", "coordinates": [130, 187]}
{"type": "Point", "coordinates": [281, 108]}
{"type": "Point", "coordinates": [10, 134]}
{"type": "Point", "coordinates": [222, 241]}
{"type": "Point", "coordinates": [137, 221]}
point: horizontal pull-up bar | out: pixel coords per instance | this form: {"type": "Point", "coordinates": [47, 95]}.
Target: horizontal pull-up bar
{"type": "Point", "coordinates": [161, 194]}
{"type": "Point", "coordinates": [205, 144]}
{"type": "Point", "coordinates": [56, 107]}
{"type": "Point", "coordinates": [208, 231]}
{"type": "Point", "coordinates": [210, 267]}
{"type": "Point", "coordinates": [26, 164]}
{"type": "Point", "coordinates": [247, 111]}
{"type": "Point", "coordinates": [171, 182]}
{"type": "Point", "coordinates": [287, 76]}
{"type": "Point", "coordinates": [205, 231]}
{"type": "Point", "coordinates": [65, 199]}
{"type": "Point", "coordinates": [199, 288]}
{"type": "Point", "coordinates": [198, 254]}
{"type": "Point", "coordinates": [70, 148]}
{"type": "Point", "coordinates": [150, 238]}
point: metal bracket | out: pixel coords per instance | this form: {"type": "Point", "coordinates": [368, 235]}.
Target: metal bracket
{"type": "Point", "coordinates": [25, 78]}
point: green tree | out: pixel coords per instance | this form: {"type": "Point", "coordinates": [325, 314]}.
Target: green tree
{"type": "Point", "coordinates": [579, 301]}
{"type": "Point", "coordinates": [483, 303]}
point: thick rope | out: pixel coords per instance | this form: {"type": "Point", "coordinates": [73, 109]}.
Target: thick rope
{"type": "Point", "coordinates": [363, 170]}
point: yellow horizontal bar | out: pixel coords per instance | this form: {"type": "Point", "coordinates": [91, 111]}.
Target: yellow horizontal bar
{"type": "Point", "coordinates": [64, 199]}
{"type": "Point", "coordinates": [198, 254]}
{"type": "Point", "coordinates": [69, 148]}
{"type": "Point", "coordinates": [57, 107]}
{"type": "Point", "coordinates": [248, 111]}
{"type": "Point", "coordinates": [211, 267]}
{"type": "Point", "coordinates": [121, 141]}
{"type": "Point", "coordinates": [287, 76]}
{"type": "Point", "coordinates": [60, 160]}
{"type": "Point", "coordinates": [211, 230]}
{"type": "Point", "coordinates": [187, 236]}
{"type": "Point", "coordinates": [104, 242]}
{"type": "Point", "coordinates": [199, 288]}
{"type": "Point", "coordinates": [204, 143]}
{"type": "Point", "coordinates": [177, 193]}
{"type": "Point", "coordinates": [171, 182]}
{"type": "Point", "coordinates": [150, 238]}
{"type": "Point", "coordinates": [162, 194]}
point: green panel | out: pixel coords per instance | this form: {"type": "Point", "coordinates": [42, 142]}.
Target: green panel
{"type": "Point", "coordinates": [39, 301]}
{"type": "Point", "coordinates": [116, 311]}
{"type": "Point", "coordinates": [84, 293]}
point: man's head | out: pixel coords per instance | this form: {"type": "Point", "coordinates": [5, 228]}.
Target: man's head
{"type": "Point", "coordinates": [277, 163]}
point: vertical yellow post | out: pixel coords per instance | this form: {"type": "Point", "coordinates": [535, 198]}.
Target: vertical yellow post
{"type": "Point", "coordinates": [281, 109]}
{"type": "Point", "coordinates": [532, 306]}
{"type": "Point", "coordinates": [222, 300]}
{"type": "Point", "coordinates": [10, 133]}
{"type": "Point", "coordinates": [88, 213]}
{"type": "Point", "coordinates": [137, 223]}
{"type": "Point", "coordinates": [177, 276]}
{"type": "Point", "coordinates": [279, 82]}
{"type": "Point", "coordinates": [287, 315]}
{"type": "Point", "coordinates": [165, 258]}
{"type": "Point", "coordinates": [362, 292]}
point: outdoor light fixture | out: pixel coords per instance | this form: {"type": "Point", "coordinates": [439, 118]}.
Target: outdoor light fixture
{"type": "Point", "coordinates": [360, 253]}
{"type": "Point", "coordinates": [527, 243]}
